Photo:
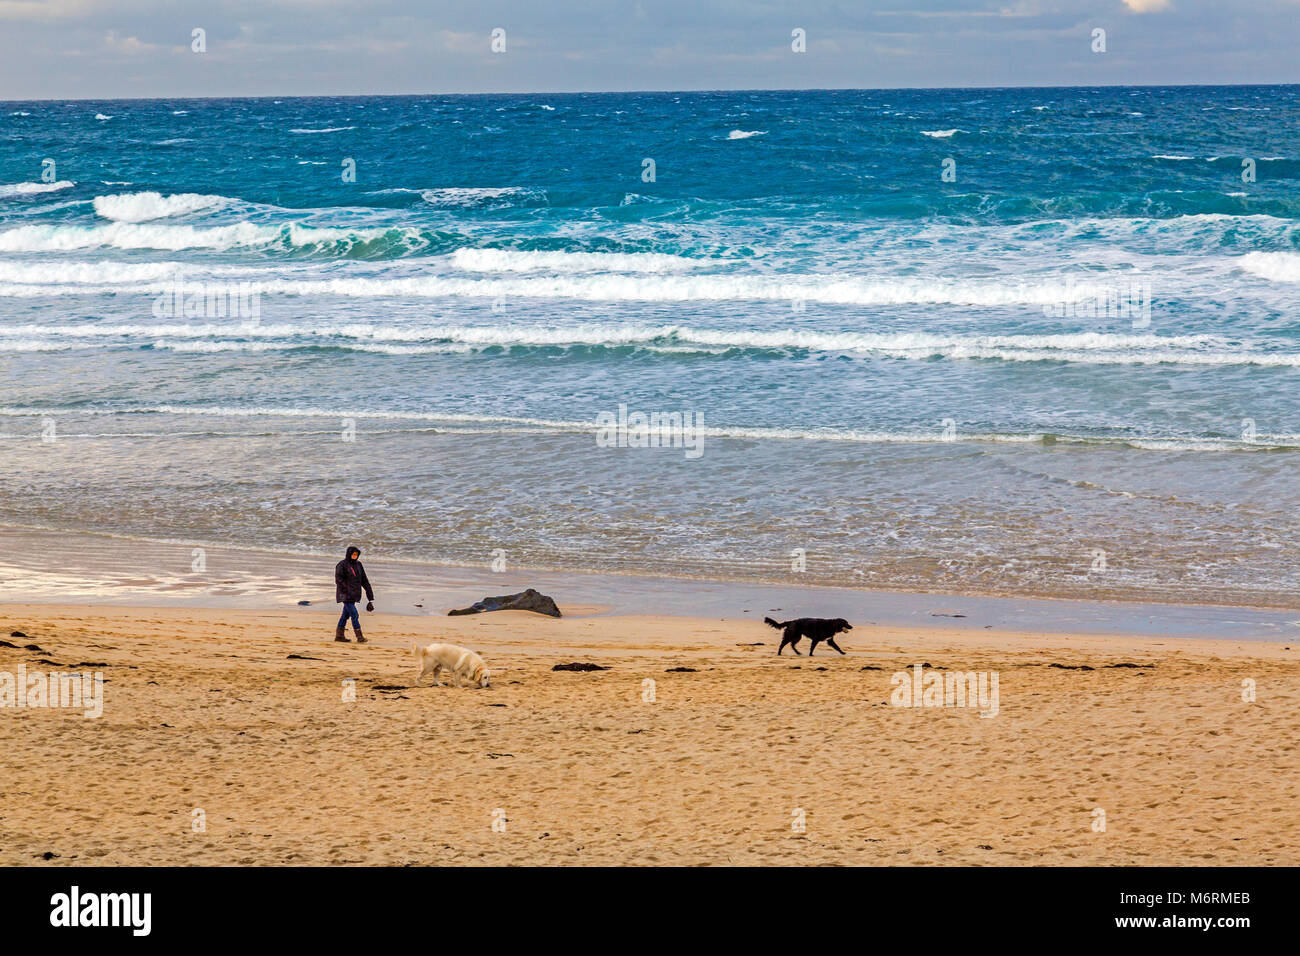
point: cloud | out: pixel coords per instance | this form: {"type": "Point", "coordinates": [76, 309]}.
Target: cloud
{"type": "Point", "coordinates": [107, 48]}
{"type": "Point", "coordinates": [129, 46]}
{"type": "Point", "coordinates": [37, 11]}
{"type": "Point", "coordinates": [1147, 6]}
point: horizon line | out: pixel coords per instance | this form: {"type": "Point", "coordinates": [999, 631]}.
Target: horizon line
{"type": "Point", "coordinates": [800, 89]}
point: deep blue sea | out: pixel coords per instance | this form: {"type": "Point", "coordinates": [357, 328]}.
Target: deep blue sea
{"type": "Point", "coordinates": [1030, 341]}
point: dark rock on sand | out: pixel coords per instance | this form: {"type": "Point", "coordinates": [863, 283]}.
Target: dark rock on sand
{"type": "Point", "coordinates": [529, 600]}
{"type": "Point", "coordinates": [17, 634]}
{"type": "Point", "coordinates": [577, 666]}
{"type": "Point", "coordinates": [680, 670]}
{"type": "Point", "coordinates": [301, 657]}
{"type": "Point", "coordinates": [304, 603]}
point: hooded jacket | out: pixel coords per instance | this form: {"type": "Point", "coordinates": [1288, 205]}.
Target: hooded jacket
{"type": "Point", "coordinates": [350, 580]}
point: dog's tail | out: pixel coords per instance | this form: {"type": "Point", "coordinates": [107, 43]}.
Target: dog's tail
{"type": "Point", "coordinates": [776, 624]}
{"type": "Point", "coordinates": [415, 649]}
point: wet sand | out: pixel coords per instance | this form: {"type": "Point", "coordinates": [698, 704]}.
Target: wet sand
{"type": "Point", "coordinates": [45, 567]}
{"type": "Point", "coordinates": [204, 710]}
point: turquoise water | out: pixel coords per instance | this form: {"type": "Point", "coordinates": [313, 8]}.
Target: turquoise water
{"type": "Point", "coordinates": [1069, 368]}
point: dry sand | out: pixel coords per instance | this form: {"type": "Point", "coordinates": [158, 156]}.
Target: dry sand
{"type": "Point", "coordinates": [204, 710]}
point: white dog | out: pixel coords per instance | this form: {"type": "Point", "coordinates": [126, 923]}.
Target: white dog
{"type": "Point", "coordinates": [460, 661]}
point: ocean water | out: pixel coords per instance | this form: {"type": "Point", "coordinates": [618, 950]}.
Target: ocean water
{"type": "Point", "coordinates": [1068, 367]}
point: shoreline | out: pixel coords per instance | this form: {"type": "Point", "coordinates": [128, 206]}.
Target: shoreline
{"type": "Point", "coordinates": [107, 569]}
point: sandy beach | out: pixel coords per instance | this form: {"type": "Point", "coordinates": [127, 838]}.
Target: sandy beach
{"type": "Point", "coordinates": [237, 719]}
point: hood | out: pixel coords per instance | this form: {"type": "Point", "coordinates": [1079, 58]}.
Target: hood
{"type": "Point", "coordinates": [347, 555]}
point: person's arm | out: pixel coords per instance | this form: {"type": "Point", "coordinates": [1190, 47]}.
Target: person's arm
{"type": "Point", "coordinates": [338, 576]}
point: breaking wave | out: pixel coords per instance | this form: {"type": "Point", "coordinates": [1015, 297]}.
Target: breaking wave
{"type": "Point", "coordinates": [145, 206]}
{"type": "Point", "coordinates": [31, 189]}
{"type": "Point", "coordinates": [1078, 348]}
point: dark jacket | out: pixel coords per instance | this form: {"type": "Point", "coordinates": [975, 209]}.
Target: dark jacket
{"type": "Point", "coordinates": [350, 580]}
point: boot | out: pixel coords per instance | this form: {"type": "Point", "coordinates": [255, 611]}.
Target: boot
{"type": "Point", "coordinates": [361, 638]}
{"type": "Point", "coordinates": [340, 636]}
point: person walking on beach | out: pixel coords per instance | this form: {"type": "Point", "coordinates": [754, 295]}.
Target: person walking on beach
{"type": "Point", "coordinates": [349, 581]}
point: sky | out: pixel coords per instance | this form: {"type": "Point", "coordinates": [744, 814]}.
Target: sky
{"type": "Point", "coordinates": [65, 49]}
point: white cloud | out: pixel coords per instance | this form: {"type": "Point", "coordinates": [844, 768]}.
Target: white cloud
{"type": "Point", "coordinates": [129, 46]}
{"type": "Point", "coordinates": [38, 11]}
{"type": "Point", "coordinates": [1146, 6]}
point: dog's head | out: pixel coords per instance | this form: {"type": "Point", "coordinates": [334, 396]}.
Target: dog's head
{"type": "Point", "coordinates": [841, 625]}
{"type": "Point", "coordinates": [481, 676]}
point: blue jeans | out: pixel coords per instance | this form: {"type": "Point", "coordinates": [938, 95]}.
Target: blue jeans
{"type": "Point", "coordinates": [350, 611]}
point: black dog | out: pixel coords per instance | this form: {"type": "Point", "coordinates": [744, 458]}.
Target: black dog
{"type": "Point", "coordinates": [816, 629]}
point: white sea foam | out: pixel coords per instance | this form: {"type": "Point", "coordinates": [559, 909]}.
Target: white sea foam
{"type": "Point", "coordinates": [146, 206]}
{"type": "Point", "coordinates": [547, 275]}
{"type": "Point", "coordinates": [509, 424]}
{"type": "Point", "coordinates": [1077, 348]}
{"type": "Point", "coordinates": [213, 347]}
{"type": "Point", "coordinates": [512, 260]}
{"type": "Point", "coordinates": [746, 133]}
{"type": "Point", "coordinates": [65, 273]}
{"type": "Point", "coordinates": [939, 133]}
{"type": "Point", "coordinates": [126, 235]}
{"type": "Point", "coordinates": [171, 237]}
{"type": "Point", "coordinates": [1208, 228]}
{"type": "Point", "coordinates": [1275, 266]}
{"type": "Point", "coordinates": [53, 278]}
{"type": "Point", "coordinates": [328, 129]}
{"type": "Point", "coordinates": [475, 195]}
{"type": "Point", "coordinates": [733, 287]}
{"type": "Point", "coordinates": [101, 117]}
{"type": "Point", "coordinates": [31, 189]}
{"type": "Point", "coordinates": [33, 345]}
